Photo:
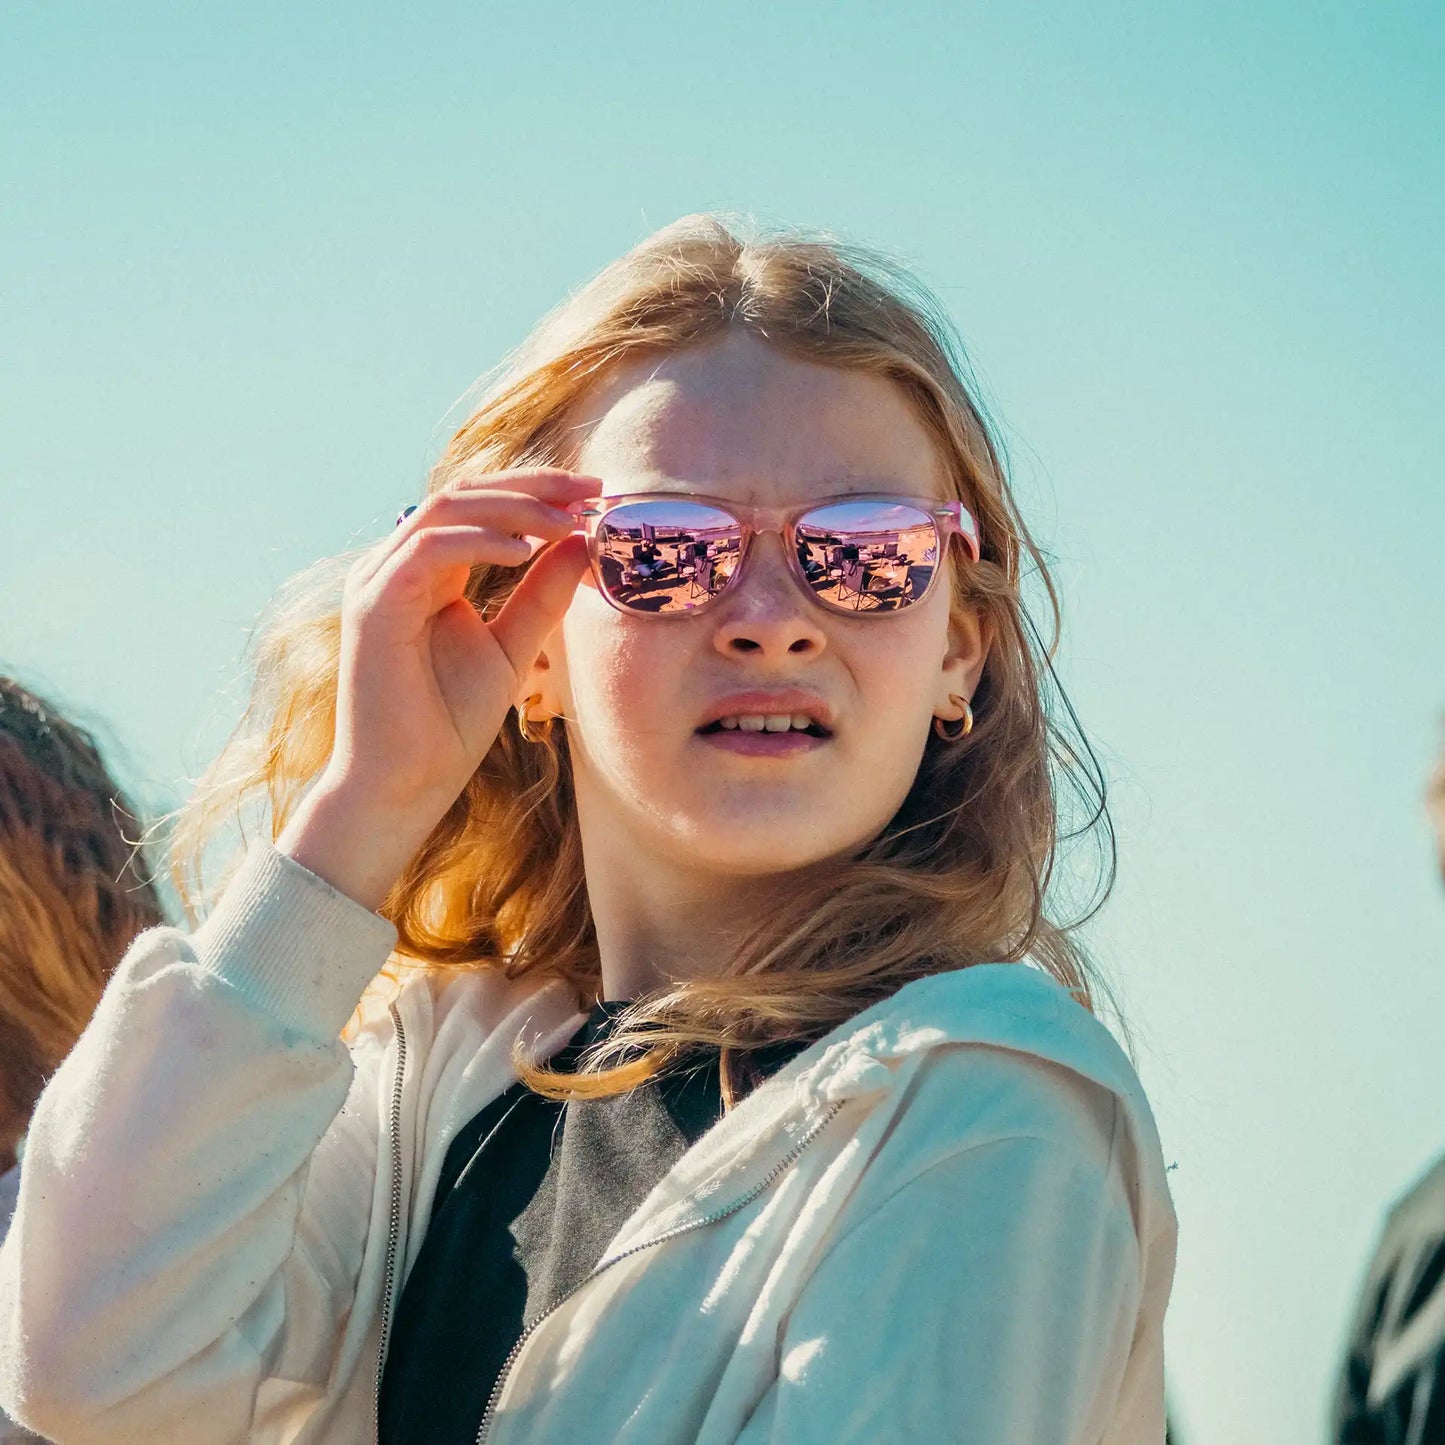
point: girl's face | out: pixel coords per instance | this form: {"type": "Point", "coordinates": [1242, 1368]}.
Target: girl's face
{"type": "Point", "coordinates": [736, 419]}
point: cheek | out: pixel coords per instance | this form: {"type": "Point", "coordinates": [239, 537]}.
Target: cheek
{"type": "Point", "coordinates": [620, 675]}
{"type": "Point", "coordinates": [897, 688]}
{"type": "Point", "coordinates": [897, 669]}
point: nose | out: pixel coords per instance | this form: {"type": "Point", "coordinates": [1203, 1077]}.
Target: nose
{"type": "Point", "coordinates": [764, 611]}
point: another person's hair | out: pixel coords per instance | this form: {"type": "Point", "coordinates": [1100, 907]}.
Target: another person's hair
{"type": "Point", "coordinates": [73, 894]}
{"type": "Point", "coordinates": [960, 874]}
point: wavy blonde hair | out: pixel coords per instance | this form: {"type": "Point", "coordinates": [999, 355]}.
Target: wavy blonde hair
{"type": "Point", "coordinates": [958, 877]}
{"type": "Point", "coordinates": [74, 891]}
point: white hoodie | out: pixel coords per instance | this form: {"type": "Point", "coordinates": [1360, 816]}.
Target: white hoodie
{"type": "Point", "coordinates": [946, 1221]}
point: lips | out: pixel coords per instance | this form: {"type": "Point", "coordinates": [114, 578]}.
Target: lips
{"type": "Point", "coordinates": [762, 744]}
{"type": "Point", "coordinates": [792, 704]}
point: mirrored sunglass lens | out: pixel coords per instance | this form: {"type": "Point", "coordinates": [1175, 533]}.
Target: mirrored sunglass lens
{"type": "Point", "coordinates": [868, 556]}
{"type": "Point", "coordinates": [666, 556]}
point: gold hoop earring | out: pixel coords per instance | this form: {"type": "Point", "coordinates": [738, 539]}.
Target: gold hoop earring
{"type": "Point", "coordinates": [525, 724]}
{"type": "Point", "coordinates": [953, 730]}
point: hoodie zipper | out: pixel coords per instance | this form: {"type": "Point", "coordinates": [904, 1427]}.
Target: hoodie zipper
{"type": "Point", "coordinates": [394, 1226]}
{"type": "Point", "coordinates": [785, 1163]}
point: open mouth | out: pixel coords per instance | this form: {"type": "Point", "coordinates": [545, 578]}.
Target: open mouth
{"type": "Point", "coordinates": [756, 725]}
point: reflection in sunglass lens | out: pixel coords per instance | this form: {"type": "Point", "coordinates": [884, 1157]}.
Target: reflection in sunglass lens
{"type": "Point", "coordinates": [666, 556]}
{"type": "Point", "coordinates": [868, 556]}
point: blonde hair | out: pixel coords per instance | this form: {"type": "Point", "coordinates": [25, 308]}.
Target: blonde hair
{"type": "Point", "coordinates": [73, 893]}
{"type": "Point", "coordinates": [958, 877]}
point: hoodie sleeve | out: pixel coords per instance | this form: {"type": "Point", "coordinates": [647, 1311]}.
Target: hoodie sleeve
{"type": "Point", "coordinates": [993, 1299]}
{"type": "Point", "coordinates": [199, 1175]}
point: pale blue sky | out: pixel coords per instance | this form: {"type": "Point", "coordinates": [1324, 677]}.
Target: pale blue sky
{"type": "Point", "coordinates": [252, 254]}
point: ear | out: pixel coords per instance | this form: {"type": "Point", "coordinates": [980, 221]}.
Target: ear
{"type": "Point", "coordinates": [546, 679]}
{"type": "Point", "coordinates": [969, 638]}
{"type": "Point", "coordinates": [536, 683]}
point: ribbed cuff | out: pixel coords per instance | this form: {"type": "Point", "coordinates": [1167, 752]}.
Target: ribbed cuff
{"type": "Point", "coordinates": [292, 944]}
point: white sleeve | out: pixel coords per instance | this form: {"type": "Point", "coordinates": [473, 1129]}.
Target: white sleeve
{"type": "Point", "coordinates": [990, 1300]}
{"type": "Point", "coordinates": [181, 1240]}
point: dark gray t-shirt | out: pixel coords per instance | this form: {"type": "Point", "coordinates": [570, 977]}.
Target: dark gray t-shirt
{"type": "Point", "coordinates": [530, 1195]}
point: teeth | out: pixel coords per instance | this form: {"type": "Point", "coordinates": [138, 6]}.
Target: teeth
{"type": "Point", "coordinates": [766, 722]}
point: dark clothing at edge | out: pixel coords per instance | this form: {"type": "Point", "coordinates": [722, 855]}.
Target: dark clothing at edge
{"type": "Point", "coordinates": [1392, 1387]}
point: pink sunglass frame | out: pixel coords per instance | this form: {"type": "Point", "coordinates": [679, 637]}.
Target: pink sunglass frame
{"type": "Point", "coordinates": [950, 519]}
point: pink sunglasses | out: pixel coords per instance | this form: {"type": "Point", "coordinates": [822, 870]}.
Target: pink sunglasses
{"type": "Point", "coordinates": [673, 554]}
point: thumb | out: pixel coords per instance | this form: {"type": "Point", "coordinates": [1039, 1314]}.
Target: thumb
{"type": "Point", "coordinates": [532, 612]}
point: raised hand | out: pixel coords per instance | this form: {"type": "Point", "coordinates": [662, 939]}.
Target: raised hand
{"type": "Point", "coordinates": [425, 682]}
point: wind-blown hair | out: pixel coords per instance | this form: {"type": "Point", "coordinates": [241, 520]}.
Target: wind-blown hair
{"type": "Point", "coordinates": [960, 874]}
{"type": "Point", "coordinates": [74, 892]}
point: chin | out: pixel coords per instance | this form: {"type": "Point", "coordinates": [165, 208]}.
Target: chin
{"type": "Point", "coordinates": [759, 848]}
{"type": "Point", "coordinates": [767, 863]}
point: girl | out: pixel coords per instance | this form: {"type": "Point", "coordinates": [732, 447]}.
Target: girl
{"type": "Point", "coordinates": [727, 1081]}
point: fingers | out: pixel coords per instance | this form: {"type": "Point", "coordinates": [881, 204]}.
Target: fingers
{"type": "Point", "coordinates": [538, 601]}
{"type": "Point", "coordinates": [430, 567]}
{"type": "Point", "coordinates": [422, 568]}
{"type": "Point", "coordinates": [519, 503]}
{"type": "Point", "coordinates": [550, 483]}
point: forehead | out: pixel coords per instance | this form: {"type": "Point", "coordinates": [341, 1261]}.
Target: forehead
{"type": "Point", "coordinates": [740, 419]}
